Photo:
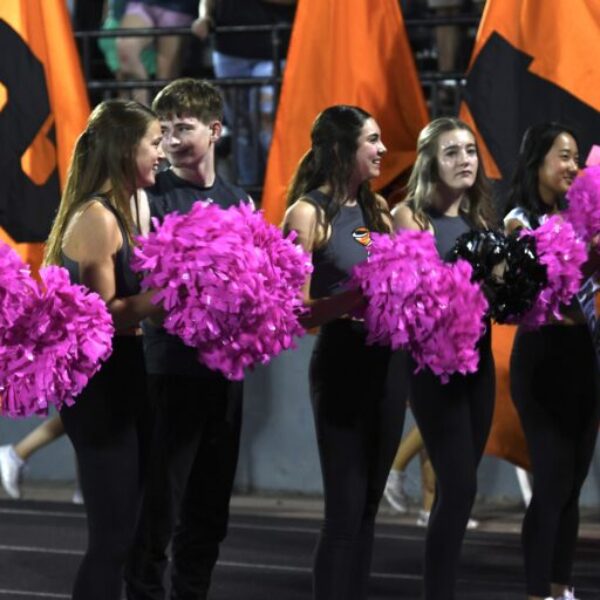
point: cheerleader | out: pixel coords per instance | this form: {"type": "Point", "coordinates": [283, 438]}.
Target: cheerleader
{"type": "Point", "coordinates": [554, 379]}
{"type": "Point", "coordinates": [118, 152]}
{"type": "Point", "coordinates": [448, 196]}
{"type": "Point", "coordinates": [358, 413]}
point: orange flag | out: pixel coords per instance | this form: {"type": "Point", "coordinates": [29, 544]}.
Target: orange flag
{"type": "Point", "coordinates": [43, 108]}
{"type": "Point", "coordinates": [345, 53]}
{"type": "Point", "coordinates": [506, 439]}
{"type": "Point", "coordinates": [533, 61]}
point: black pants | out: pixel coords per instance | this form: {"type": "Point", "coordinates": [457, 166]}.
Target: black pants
{"type": "Point", "coordinates": [554, 385]}
{"type": "Point", "coordinates": [359, 404]}
{"type": "Point", "coordinates": [454, 420]}
{"type": "Point", "coordinates": [195, 451]}
{"type": "Point", "coordinates": [109, 427]}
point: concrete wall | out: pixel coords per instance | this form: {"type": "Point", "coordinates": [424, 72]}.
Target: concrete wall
{"type": "Point", "coordinates": [278, 451]}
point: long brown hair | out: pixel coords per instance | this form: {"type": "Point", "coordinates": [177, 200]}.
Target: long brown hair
{"type": "Point", "coordinates": [424, 178]}
{"type": "Point", "coordinates": [331, 160]}
{"type": "Point", "coordinates": [104, 153]}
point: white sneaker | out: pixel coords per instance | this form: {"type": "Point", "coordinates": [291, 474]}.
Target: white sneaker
{"type": "Point", "coordinates": [567, 595]}
{"type": "Point", "coordinates": [11, 468]}
{"type": "Point", "coordinates": [77, 497]}
{"type": "Point", "coordinates": [423, 520]}
{"type": "Point", "coordinates": [394, 491]}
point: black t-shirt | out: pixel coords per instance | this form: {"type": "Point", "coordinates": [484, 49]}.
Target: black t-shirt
{"type": "Point", "coordinates": [165, 353]}
{"type": "Point", "coordinates": [251, 12]}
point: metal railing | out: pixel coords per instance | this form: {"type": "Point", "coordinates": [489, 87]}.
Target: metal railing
{"type": "Point", "coordinates": [435, 84]}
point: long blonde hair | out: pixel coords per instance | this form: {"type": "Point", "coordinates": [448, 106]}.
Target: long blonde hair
{"type": "Point", "coordinates": [424, 178]}
{"type": "Point", "coordinates": [104, 153]}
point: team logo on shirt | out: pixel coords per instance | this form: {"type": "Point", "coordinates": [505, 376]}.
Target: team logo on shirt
{"type": "Point", "coordinates": [363, 236]}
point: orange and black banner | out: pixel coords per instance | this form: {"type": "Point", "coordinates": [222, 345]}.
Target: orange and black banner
{"type": "Point", "coordinates": [533, 61]}
{"type": "Point", "coordinates": [43, 108]}
{"type": "Point", "coordinates": [345, 53]}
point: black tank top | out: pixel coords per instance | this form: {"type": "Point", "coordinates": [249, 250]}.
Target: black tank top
{"type": "Point", "coordinates": [447, 230]}
{"type": "Point", "coordinates": [127, 282]}
{"type": "Point", "coordinates": [347, 246]}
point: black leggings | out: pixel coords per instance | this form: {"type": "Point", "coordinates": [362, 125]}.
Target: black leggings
{"type": "Point", "coordinates": [359, 415]}
{"type": "Point", "coordinates": [554, 385]}
{"type": "Point", "coordinates": [108, 426]}
{"type": "Point", "coordinates": [194, 456]}
{"type": "Point", "coordinates": [455, 420]}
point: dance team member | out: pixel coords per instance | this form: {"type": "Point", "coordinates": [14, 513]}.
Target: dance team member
{"type": "Point", "coordinates": [448, 195]}
{"type": "Point", "coordinates": [118, 152]}
{"type": "Point", "coordinates": [554, 379]}
{"type": "Point", "coordinates": [197, 411]}
{"type": "Point", "coordinates": [358, 416]}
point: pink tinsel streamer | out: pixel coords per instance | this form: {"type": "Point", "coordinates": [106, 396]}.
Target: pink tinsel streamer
{"type": "Point", "coordinates": [584, 204]}
{"type": "Point", "coordinates": [563, 254]}
{"type": "Point", "coordinates": [15, 284]}
{"type": "Point", "coordinates": [418, 302]}
{"type": "Point", "coordinates": [54, 346]}
{"type": "Point", "coordinates": [230, 283]}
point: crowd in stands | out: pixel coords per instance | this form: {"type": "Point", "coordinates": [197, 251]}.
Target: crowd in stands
{"type": "Point", "coordinates": [209, 53]}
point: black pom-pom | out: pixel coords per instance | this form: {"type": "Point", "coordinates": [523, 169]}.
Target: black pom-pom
{"type": "Point", "coordinates": [483, 250]}
{"type": "Point", "coordinates": [523, 279]}
{"type": "Point", "coordinates": [507, 268]}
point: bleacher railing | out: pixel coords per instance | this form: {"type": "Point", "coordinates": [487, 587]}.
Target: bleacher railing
{"type": "Point", "coordinates": [433, 81]}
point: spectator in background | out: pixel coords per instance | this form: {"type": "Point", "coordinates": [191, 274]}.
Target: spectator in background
{"type": "Point", "coordinates": [249, 111]}
{"type": "Point", "coordinates": [141, 14]}
{"type": "Point", "coordinates": [412, 445]}
{"type": "Point", "coordinates": [114, 13]}
{"type": "Point", "coordinates": [14, 456]}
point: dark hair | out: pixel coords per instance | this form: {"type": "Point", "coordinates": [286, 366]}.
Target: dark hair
{"type": "Point", "coordinates": [104, 152]}
{"type": "Point", "coordinates": [192, 97]}
{"type": "Point", "coordinates": [535, 145]}
{"type": "Point", "coordinates": [424, 178]}
{"type": "Point", "coordinates": [331, 160]}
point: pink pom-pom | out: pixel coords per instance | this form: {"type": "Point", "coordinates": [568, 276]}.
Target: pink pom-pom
{"type": "Point", "coordinates": [449, 345]}
{"type": "Point", "coordinates": [584, 204]}
{"type": "Point", "coordinates": [54, 347]}
{"type": "Point", "coordinates": [418, 302]}
{"type": "Point", "coordinates": [230, 283]}
{"type": "Point", "coordinates": [15, 284]}
{"type": "Point", "coordinates": [563, 254]}
{"type": "Point", "coordinates": [593, 157]}
{"type": "Point", "coordinates": [391, 282]}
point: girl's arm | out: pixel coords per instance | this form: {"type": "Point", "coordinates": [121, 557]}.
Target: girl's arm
{"type": "Point", "coordinates": [302, 217]}
{"type": "Point", "coordinates": [93, 241]}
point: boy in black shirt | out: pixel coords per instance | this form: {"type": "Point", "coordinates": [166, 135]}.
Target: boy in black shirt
{"type": "Point", "coordinates": [197, 411]}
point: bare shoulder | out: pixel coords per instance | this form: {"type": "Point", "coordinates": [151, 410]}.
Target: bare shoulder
{"type": "Point", "coordinates": [93, 231]}
{"type": "Point", "coordinates": [404, 218]}
{"type": "Point", "coordinates": [303, 217]}
{"type": "Point", "coordinates": [302, 213]}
